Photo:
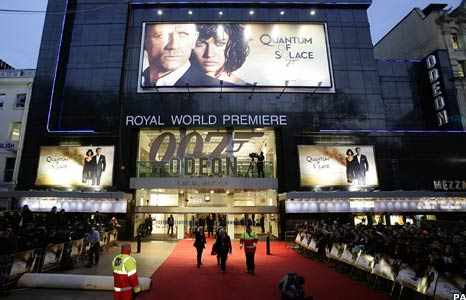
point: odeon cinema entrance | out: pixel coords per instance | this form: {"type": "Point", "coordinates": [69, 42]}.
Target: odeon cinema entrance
{"type": "Point", "coordinates": [207, 177]}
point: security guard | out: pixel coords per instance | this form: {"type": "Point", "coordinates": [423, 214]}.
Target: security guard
{"type": "Point", "coordinates": [249, 241]}
{"type": "Point", "coordinates": [125, 278]}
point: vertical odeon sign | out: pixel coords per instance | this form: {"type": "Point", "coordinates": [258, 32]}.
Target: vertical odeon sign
{"type": "Point", "coordinates": [438, 89]}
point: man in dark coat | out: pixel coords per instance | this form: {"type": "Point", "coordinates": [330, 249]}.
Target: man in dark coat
{"type": "Point", "coordinates": [222, 247]}
{"type": "Point", "coordinates": [199, 244]}
{"type": "Point", "coordinates": [210, 225]}
{"type": "Point", "coordinates": [170, 222]}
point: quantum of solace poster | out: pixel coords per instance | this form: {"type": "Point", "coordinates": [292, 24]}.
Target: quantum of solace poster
{"type": "Point", "coordinates": [238, 55]}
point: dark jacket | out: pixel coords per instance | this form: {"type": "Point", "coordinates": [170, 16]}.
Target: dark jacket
{"type": "Point", "coordinates": [362, 166]}
{"type": "Point", "coordinates": [99, 165]}
{"type": "Point", "coordinates": [193, 77]}
{"type": "Point", "coordinates": [200, 240]}
{"type": "Point", "coordinates": [223, 244]}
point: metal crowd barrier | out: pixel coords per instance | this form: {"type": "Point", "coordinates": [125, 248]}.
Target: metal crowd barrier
{"type": "Point", "coordinates": [51, 257]}
{"type": "Point", "coordinates": [432, 285]}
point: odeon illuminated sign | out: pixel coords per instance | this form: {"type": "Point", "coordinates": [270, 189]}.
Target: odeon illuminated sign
{"type": "Point", "coordinates": [200, 153]}
{"type": "Point", "coordinates": [433, 69]}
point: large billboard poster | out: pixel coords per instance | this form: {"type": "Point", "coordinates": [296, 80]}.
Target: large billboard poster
{"type": "Point", "coordinates": [75, 166]}
{"type": "Point", "coordinates": [337, 166]}
{"type": "Point", "coordinates": [232, 56]}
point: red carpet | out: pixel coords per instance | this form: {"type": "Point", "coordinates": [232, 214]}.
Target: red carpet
{"type": "Point", "coordinates": [178, 278]}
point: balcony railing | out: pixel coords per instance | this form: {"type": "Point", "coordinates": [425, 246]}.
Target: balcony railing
{"type": "Point", "coordinates": [244, 168]}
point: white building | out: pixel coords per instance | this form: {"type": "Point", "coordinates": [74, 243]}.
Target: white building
{"type": "Point", "coordinates": [15, 92]}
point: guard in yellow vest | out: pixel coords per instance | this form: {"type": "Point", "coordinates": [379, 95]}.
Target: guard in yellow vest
{"type": "Point", "coordinates": [249, 241]}
{"type": "Point", "coordinates": [125, 277]}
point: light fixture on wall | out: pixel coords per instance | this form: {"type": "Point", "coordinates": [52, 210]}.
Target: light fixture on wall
{"type": "Point", "coordinates": [159, 12]}
{"type": "Point", "coordinates": [251, 12]}
{"type": "Point", "coordinates": [282, 13]}
{"type": "Point", "coordinates": [312, 12]}
{"type": "Point", "coordinates": [220, 13]}
{"type": "Point", "coordinates": [190, 12]}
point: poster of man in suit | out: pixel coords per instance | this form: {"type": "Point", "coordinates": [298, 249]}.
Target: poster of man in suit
{"type": "Point", "coordinates": [100, 165]}
{"type": "Point", "coordinates": [76, 166]}
{"type": "Point", "coordinates": [233, 55]}
{"type": "Point", "coordinates": [361, 167]}
{"type": "Point", "coordinates": [337, 166]}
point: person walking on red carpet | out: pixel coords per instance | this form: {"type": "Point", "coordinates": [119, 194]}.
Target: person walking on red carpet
{"type": "Point", "coordinates": [199, 244]}
{"type": "Point", "coordinates": [222, 247]}
{"type": "Point", "coordinates": [249, 241]}
{"type": "Point", "coordinates": [125, 277]}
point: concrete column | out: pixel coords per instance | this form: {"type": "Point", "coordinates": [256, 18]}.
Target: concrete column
{"type": "Point", "coordinates": [231, 225]}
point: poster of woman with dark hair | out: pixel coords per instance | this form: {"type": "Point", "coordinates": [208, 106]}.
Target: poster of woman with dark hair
{"type": "Point", "coordinates": [88, 167]}
{"type": "Point", "coordinates": [220, 50]}
{"type": "Point", "coordinates": [350, 166]}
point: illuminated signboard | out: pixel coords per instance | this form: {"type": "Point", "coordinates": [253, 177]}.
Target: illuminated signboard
{"type": "Point", "coordinates": [207, 153]}
{"type": "Point", "coordinates": [337, 166]}
{"type": "Point", "coordinates": [103, 205]}
{"type": "Point", "coordinates": [421, 204]}
{"type": "Point", "coordinates": [231, 56]}
{"type": "Point", "coordinates": [75, 166]}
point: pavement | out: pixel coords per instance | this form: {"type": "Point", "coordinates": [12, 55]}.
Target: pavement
{"type": "Point", "coordinates": [153, 254]}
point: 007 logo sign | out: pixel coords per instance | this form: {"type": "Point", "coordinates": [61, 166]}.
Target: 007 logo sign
{"type": "Point", "coordinates": [228, 142]}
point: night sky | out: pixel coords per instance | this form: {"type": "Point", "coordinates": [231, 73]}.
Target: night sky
{"type": "Point", "coordinates": [21, 32]}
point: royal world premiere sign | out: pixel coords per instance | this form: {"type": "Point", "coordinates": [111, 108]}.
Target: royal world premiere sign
{"type": "Point", "coordinates": [224, 120]}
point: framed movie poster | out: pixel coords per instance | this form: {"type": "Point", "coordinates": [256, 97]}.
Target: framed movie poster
{"type": "Point", "coordinates": [234, 56]}
{"type": "Point", "coordinates": [337, 166]}
{"type": "Point", "coordinates": [76, 166]}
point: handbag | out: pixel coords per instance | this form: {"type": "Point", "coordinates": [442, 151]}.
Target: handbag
{"type": "Point", "coordinates": [214, 249]}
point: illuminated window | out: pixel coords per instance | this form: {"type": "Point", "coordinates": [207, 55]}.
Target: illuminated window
{"type": "Point", "coordinates": [2, 100]}
{"type": "Point", "coordinates": [460, 72]}
{"type": "Point", "coordinates": [20, 100]}
{"type": "Point", "coordinates": [15, 130]}
{"type": "Point", "coordinates": [454, 41]}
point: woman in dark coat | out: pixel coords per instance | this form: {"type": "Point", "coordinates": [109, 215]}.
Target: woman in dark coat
{"type": "Point", "coordinates": [221, 247]}
{"type": "Point", "coordinates": [199, 244]}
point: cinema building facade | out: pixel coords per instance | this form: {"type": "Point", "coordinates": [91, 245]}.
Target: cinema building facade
{"type": "Point", "coordinates": [275, 112]}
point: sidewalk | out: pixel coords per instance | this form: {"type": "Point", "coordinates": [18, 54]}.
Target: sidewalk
{"type": "Point", "coordinates": [152, 255]}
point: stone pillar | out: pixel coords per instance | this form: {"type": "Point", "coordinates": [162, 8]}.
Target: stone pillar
{"type": "Point", "coordinates": [179, 223]}
{"type": "Point", "coordinates": [231, 225]}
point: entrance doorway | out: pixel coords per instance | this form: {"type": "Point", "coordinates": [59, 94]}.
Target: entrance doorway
{"type": "Point", "coordinates": [211, 223]}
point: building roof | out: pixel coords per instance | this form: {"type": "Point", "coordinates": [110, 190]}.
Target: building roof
{"type": "Point", "coordinates": [5, 66]}
{"type": "Point", "coordinates": [258, 2]}
{"type": "Point", "coordinates": [433, 7]}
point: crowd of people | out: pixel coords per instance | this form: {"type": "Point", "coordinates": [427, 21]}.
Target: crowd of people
{"type": "Point", "coordinates": [34, 230]}
{"type": "Point", "coordinates": [420, 246]}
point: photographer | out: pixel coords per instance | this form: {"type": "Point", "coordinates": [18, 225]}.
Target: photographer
{"type": "Point", "coordinates": [292, 287]}
{"type": "Point", "coordinates": [260, 165]}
